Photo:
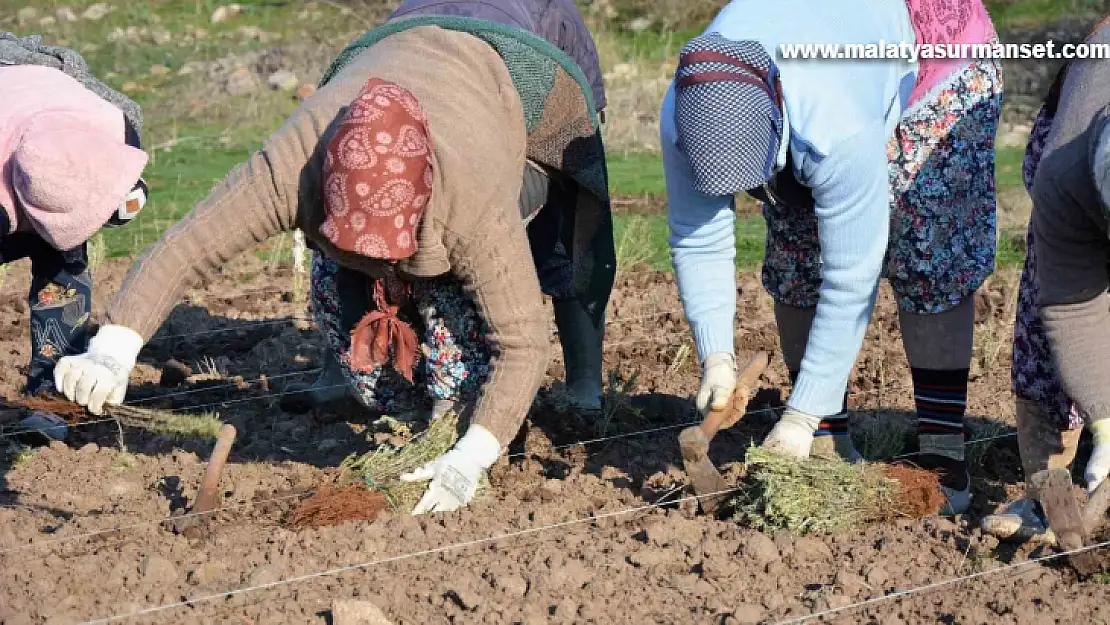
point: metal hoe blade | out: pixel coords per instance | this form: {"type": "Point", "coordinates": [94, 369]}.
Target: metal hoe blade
{"type": "Point", "coordinates": [694, 441]}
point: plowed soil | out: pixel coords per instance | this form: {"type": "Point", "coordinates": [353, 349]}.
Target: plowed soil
{"type": "Point", "coordinates": [629, 563]}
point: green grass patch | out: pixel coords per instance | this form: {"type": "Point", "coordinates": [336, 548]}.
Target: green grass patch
{"type": "Point", "coordinates": [636, 175]}
{"type": "Point", "coordinates": [642, 240]}
{"type": "Point", "coordinates": [653, 45]}
{"type": "Point", "coordinates": [1007, 167]}
{"type": "Point", "coordinates": [1030, 13]}
{"type": "Point", "coordinates": [123, 45]}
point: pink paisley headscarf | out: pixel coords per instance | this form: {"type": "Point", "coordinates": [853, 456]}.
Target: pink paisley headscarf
{"type": "Point", "coordinates": [946, 22]}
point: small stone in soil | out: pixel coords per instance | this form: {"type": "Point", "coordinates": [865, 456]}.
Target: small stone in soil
{"type": "Point", "coordinates": [265, 574]}
{"type": "Point", "coordinates": [774, 601]}
{"type": "Point", "coordinates": [876, 576]}
{"type": "Point", "coordinates": [351, 612]}
{"type": "Point", "coordinates": [808, 549]}
{"type": "Point", "coordinates": [566, 609]}
{"type": "Point", "coordinates": [760, 549]}
{"type": "Point", "coordinates": [204, 574]}
{"type": "Point", "coordinates": [513, 585]}
{"type": "Point", "coordinates": [747, 614]}
{"type": "Point", "coordinates": [158, 570]}
{"type": "Point", "coordinates": [648, 557]}
{"type": "Point", "coordinates": [174, 373]}
{"type": "Point", "coordinates": [850, 583]}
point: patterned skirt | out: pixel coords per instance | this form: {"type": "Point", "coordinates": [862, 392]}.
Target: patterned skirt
{"type": "Point", "coordinates": [942, 190]}
{"type": "Point", "coordinates": [455, 354]}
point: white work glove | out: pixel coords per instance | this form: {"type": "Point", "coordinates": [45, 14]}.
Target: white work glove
{"type": "Point", "coordinates": [718, 381]}
{"type": "Point", "coordinates": [793, 434]}
{"type": "Point", "coordinates": [100, 375]}
{"type": "Point", "coordinates": [454, 475]}
{"type": "Point", "coordinates": [1099, 464]}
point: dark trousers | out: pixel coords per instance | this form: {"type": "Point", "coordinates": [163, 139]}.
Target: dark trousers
{"type": "Point", "coordinates": [60, 302]}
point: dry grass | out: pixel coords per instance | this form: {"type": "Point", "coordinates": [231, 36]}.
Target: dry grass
{"type": "Point", "coordinates": [884, 438]}
{"type": "Point", "coordinates": [382, 468]}
{"type": "Point", "coordinates": [994, 329]}
{"type": "Point", "coordinates": [617, 399]}
{"type": "Point", "coordinates": [635, 83]}
{"type": "Point", "coordinates": [819, 495]}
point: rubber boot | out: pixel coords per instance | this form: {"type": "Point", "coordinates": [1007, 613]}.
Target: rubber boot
{"type": "Point", "coordinates": [582, 346]}
{"type": "Point", "coordinates": [329, 387]}
{"type": "Point", "coordinates": [1042, 446]}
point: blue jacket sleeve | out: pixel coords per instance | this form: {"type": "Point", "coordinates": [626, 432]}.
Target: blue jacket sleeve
{"type": "Point", "coordinates": [703, 246]}
{"type": "Point", "coordinates": [851, 193]}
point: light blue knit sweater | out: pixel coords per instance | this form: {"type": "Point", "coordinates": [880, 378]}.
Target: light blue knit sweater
{"type": "Point", "coordinates": [841, 114]}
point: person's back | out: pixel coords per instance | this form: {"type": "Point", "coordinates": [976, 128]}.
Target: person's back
{"type": "Point", "coordinates": [557, 21]}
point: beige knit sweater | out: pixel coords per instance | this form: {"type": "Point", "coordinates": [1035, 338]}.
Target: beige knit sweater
{"type": "Point", "coordinates": [472, 227]}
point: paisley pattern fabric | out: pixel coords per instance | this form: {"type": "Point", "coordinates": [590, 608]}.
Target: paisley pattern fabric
{"type": "Point", "coordinates": [378, 174]}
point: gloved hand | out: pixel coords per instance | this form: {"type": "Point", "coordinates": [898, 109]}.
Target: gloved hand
{"type": "Point", "coordinates": [1099, 464]}
{"type": "Point", "coordinates": [793, 434]}
{"type": "Point", "coordinates": [100, 375]}
{"type": "Point", "coordinates": [718, 381]}
{"type": "Point", "coordinates": [454, 475]}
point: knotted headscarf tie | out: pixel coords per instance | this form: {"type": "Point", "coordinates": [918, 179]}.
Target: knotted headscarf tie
{"type": "Point", "coordinates": [377, 180]}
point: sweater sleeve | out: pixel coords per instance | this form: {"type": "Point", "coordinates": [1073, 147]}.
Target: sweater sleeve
{"type": "Point", "coordinates": [852, 203]}
{"type": "Point", "coordinates": [703, 245]}
{"type": "Point", "coordinates": [495, 265]}
{"type": "Point", "coordinates": [1071, 255]}
{"type": "Point", "coordinates": [257, 200]}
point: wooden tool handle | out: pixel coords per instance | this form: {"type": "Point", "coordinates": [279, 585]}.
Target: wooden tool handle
{"type": "Point", "coordinates": [1094, 513]}
{"type": "Point", "coordinates": [209, 488]}
{"type": "Point", "coordinates": [717, 420]}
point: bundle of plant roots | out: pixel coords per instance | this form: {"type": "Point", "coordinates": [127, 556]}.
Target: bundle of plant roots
{"type": "Point", "coordinates": [372, 482]}
{"type": "Point", "coordinates": [819, 495]}
{"type": "Point", "coordinates": [174, 424]}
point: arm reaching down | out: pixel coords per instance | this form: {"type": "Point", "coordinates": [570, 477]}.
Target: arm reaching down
{"type": "Point", "coordinates": [851, 194]}
{"type": "Point", "coordinates": [703, 250]}
{"type": "Point", "coordinates": [495, 269]}
{"type": "Point", "coordinates": [257, 200]}
{"type": "Point", "coordinates": [1072, 253]}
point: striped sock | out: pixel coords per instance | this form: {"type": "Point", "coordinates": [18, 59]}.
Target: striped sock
{"type": "Point", "coordinates": [941, 400]}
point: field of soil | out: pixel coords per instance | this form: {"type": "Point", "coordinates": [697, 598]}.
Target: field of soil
{"type": "Point", "coordinates": [566, 534]}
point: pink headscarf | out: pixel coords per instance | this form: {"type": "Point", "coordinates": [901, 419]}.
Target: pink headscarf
{"type": "Point", "coordinates": [66, 165]}
{"type": "Point", "coordinates": [946, 22]}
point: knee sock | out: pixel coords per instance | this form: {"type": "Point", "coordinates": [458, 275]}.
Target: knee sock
{"type": "Point", "coordinates": [941, 400]}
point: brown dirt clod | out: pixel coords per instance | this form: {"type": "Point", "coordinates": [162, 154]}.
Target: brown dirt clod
{"type": "Point", "coordinates": [332, 506]}
{"type": "Point", "coordinates": [921, 494]}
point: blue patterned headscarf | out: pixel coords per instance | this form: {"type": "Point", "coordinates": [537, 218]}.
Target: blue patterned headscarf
{"type": "Point", "coordinates": [728, 113]}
